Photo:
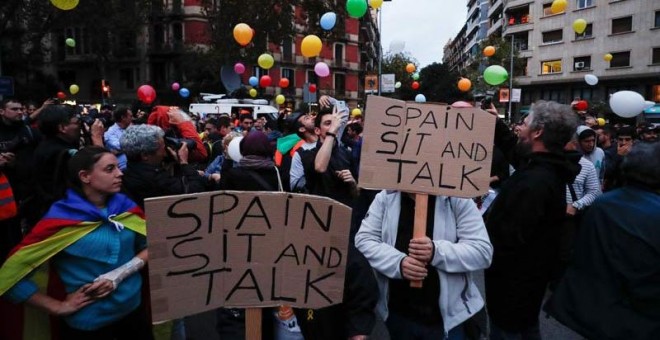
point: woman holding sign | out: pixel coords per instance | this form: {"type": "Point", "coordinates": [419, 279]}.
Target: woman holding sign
{"type": "Point", "coordinates": [94, 243]}
{"type": "Point", "coordinates": [456, 244]}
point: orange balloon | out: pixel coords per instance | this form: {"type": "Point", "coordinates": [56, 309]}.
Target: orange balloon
{"type": "Point", "coordinates": [489, 51]}
{"type": "Point", "coordinates": [410, 68]}
{"type": "Point", "coordinates": [464, 84]}
{"type": "Point", "coordinates": [243, 34]}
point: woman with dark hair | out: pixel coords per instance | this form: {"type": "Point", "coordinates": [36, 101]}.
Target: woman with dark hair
{"type": "Point", "coordinates": [93, 241]}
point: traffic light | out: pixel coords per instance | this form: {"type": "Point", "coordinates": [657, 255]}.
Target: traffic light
{"type": "Point", "coordinates": [105, 88]}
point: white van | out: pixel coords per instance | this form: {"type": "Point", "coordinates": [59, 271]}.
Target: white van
{"type": "Point", "coordinates": [217, 104]}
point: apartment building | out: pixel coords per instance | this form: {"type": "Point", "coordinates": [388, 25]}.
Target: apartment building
{"type": "Point", "coordinates": [153, 55]}
{"type": "Point", "coordinates": [558, 58]}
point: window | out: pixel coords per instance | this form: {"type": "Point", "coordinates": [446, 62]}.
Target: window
{"type": "Point", "coordinates": [582, 63]}
{"type": "Point", "coordinates": [622, 25]}
{"type": "Point", "coordinates": [553, 36]}
{"type": "Point", "coordinates": [584, 3]}
{"type": "Point", "coordinates": [258, 71]}
{"type": "Point", "coordinates": [291, 75]}
{"type": "Point", "coordinates": [339, 53]}
{"type": "Point", "coordinates": [551, 94]}
{"type": "Point", "coordinates": [588, 33]}
{"type": "Point", "coordinates": [340, 84]}
{"type": "Point", "coordinates": [287, 49]}
{"type": "Point", "coordinates": [177, 32]}
{"type": "Point", "coordinates": [655, 56]}
{"type": "Point", "coordinates": [620, 59]}
{"type": "Point", "coordinates": [586, 93]}
{"type": "Point", "coordinates": [547, 9]}
{"type": "Point", "coordinates": [657, 19]}
{"type": "Point", "coordinates": [551, 66]}
{"type": "Point", "coordinates": [82, 41]}
{"type": "Point", "coordinates": [312, 78]}
{"type": "Point", "coordinates": [127, 78]}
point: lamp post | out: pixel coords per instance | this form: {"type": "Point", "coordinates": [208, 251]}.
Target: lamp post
{"type": "Point", "coordinates": [380, 49]}
{"type": "Point", "coordinates": [508, 115]}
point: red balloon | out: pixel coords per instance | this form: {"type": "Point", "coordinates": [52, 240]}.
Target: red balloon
{"type": "Point", "coordinates": [61, 95]}
{"type": "Point", "coordinates": [284, 83]}
{"type": "Point", "coordinates": [415, 85]}
{"type": "Point", "coordinates": [312, 88]}
{"type": "Point", "coordinates": [146, 94]}
{"type": "Point", "coordinates": [265, 81]}
{"type": "Point", "coordinates": [581, 105]}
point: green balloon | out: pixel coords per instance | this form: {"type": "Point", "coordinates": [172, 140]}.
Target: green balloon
{"type": "Point", "coordinates": [70, 42]}
{"type": "Point", "coordinates": [356, 8]}
{"type": "Point", "coordinates": [415, 76]}
{"type": "Point", "coordinates": [495, 75]}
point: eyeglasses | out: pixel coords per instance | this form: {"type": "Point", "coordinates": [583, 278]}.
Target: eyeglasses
{"type": "Point", "coordinates": [15, 108]}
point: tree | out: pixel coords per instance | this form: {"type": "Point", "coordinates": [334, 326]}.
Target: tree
{"type": "Point", "coordinates": [438, 84]}
{"type": "Point", "coordinates": [502, 57]}
{"type": "Point", "coordinates": [396, 63]}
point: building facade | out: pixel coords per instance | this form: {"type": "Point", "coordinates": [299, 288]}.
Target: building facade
{"type": "Point", "coordinates": [153, 56]}
{"type": "Point", "coordinates": [558, 58]}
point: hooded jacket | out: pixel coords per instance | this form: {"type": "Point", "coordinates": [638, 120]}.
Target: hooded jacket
{"type": "Point", "coordinates": [461, 247]}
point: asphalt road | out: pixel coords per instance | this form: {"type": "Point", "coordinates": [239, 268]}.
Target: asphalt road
{"type": "Point", "coordinates": [202, 326]}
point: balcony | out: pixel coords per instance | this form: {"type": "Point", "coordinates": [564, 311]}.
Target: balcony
{"type": "Point", "coordinates": [495, 26]}
{"type": "Point", "coordinates": [496, 5]}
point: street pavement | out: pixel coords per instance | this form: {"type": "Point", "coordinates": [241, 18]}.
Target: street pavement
{"type": "Point", "coordinates": [202, 326]}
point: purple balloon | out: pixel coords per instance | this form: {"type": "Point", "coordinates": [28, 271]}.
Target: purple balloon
{"type": "Point", "coordinates": [176, 86]}
{"type": "Point", "coordinates": [239, 68]}
{"type": "Point", "coordinates": [321, 69]}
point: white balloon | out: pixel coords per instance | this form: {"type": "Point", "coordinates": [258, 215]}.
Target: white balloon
{"type": "Point", "coordinates": [397, 46]}
{"type": "Point", "coordinates": [397, 84]}
{"type": "Point", "coordinates": [234, 149]}
{"type": "Point", "coordinates": [591, 79]}
{"type": "Point", "coordinates": [420, 98]}
{"type": "Point", "coordinates": [627, 104]}
{"type": "Point", "coordinates": [649, 104]}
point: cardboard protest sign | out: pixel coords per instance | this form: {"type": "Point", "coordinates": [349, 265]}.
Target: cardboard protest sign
{"type": "Point", "coordinates": [426, 148]}
{"type": "Point", "coordinates": [245, 249]}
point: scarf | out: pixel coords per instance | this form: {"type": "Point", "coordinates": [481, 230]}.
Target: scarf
{"type": "Point", "coordinates": [256, 162]}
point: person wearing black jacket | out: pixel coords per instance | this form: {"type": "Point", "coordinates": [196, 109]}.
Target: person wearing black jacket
{"type": "Point", "coordinates": [523, 220]}
{"type": "Point", "coordinates": [611, 289]}
{"type": "Point", "coordinates": [146, 176]}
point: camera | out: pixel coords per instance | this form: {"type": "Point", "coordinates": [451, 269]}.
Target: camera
{"type": "Point", "coordinates": [176, 143]}
{"type": "Point", "coordinates": [486, 102]}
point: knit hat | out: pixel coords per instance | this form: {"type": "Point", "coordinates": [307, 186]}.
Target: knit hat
{"type": "Point", "coordinates": [256, 144]}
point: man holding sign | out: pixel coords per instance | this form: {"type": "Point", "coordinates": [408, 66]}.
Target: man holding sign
{"type": "Point", "coordinates": [440, 151]}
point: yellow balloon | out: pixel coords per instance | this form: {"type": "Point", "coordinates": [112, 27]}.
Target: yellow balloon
{"type": "Point", "coordinates": [579, 26]}
{"type": "Point", "coordinates": [253, 93]}
{"type": "Point", "coordinates": [558, 6]}
{"type": "Point", "coordinates": [601, 121]}
{"type": "Point", "coordinates": [280, 99]}
{"type": "Point", "coordinates": [266, 61]}
{"type": "Point", "coordinates": [376, 3]}
{"type": "Point", "coordinates": [311, 46]}
{"type": "Point", "coordinates": [356, 112]}
{"type": "Point", "coordinates": [65, 5]}
{"type": "Point", "coordinates": [74, 88]}
{"type": "Point", "coordinates": [243, 34]}
{"type": "Point", "coordinates": [607, 57]}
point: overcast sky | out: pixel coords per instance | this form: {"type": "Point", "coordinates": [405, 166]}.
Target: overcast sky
{"type": "Point", "coordinates": [424, 25]}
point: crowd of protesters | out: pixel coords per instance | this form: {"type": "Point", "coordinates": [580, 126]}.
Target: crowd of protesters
{"type": "Point", "coordinates": [570, 215]}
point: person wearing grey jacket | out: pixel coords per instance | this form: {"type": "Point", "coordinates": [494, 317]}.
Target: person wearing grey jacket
{"type": "Point", "coordinates": [456, 245]}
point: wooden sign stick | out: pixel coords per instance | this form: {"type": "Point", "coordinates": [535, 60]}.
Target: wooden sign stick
{"type": "Point", "coordinates": [253, 323]}
{"type": "Point", "coordinates": [419, 229]}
